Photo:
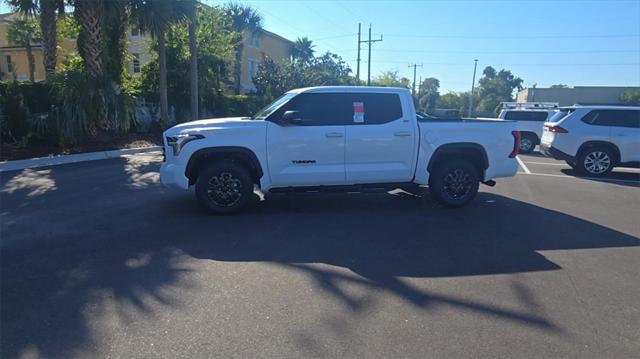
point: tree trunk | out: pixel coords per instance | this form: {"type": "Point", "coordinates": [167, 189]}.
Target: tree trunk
{"type": "Point", "coordinates": [162, 64]}
{"type": "Point", "coordinates": [49, 40]}
{"type": "Point", "coordinates": [32, 62]}
{"type": "Point", "coordinates": [193, 53]}
{"type": "Point", "coordinates": [89, 39]}
{"type": "Point", "coordinates": [238, 68]}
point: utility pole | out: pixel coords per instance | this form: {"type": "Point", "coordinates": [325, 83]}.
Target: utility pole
{"type": "Point", "coordinates": [473, 84]}
{"type": "Point", "coordinates": [369, 61]}
{"type": "Point", "coordinates": [358, 66]}
{"type": "Point", "coordinates": [413, 88]}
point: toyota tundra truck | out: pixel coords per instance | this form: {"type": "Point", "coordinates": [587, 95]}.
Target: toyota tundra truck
{"type": "Point", "coordinates": [337, 138]}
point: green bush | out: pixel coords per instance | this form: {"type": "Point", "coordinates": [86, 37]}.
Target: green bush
{"type": "Point", "coordinates": [19, 103]}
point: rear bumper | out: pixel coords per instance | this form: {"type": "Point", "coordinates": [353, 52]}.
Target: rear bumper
{"type": "Point", "coordinates": [172, 175]}
{"type": "Point", "coordinates": [550, 151]}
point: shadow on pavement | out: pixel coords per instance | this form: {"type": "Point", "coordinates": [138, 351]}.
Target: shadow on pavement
{"type": "Point", "coordinates": [107, 235]}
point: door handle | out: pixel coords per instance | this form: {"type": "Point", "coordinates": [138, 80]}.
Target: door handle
{"type": "Point", "coordinates": [334, 134]}
{"type": "Point", "coordinates": [402, 133]}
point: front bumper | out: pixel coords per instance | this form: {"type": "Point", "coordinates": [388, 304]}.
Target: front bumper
{"type": "Point", "coordinates": [173, 175]}
{"type": "Point", "coordinates": [550, 151]}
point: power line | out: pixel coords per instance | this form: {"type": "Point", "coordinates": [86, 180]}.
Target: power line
{"type": "Point", "coordinates": [349, 11]}
{"type": "Point", "coordinates": [516, 37]}
{"type": "Point", "coordinates": [512, 52]}
{"type": "Point", "coordinates": [525, 64]}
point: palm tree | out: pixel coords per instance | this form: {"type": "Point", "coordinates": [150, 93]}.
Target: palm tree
{"type": "Point", "coordinates": [155, 16]}
{"type": "Point", "coordinates": [87, 13]}
{"type": "Point", "coordinates": [47, 9]}
{"type": "Point", "coordinates": [23, 32]}
{"type": "Point", "coordinates": [302, 49]}
{"type": "Point", "coordinates": [244, 19]}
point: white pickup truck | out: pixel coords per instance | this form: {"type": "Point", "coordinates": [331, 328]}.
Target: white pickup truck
{"type": "Point", "coordinates": [337, 138]}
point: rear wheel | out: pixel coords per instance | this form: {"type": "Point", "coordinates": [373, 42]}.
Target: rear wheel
{"type": "Point", "coordinates": [595, 161]}
{"type": "Point", "coordinates": [455, 183]}
{"type": "Point", "coordinates": [527, 143]}
{"type": "Point", "coordinates": [224, 187]}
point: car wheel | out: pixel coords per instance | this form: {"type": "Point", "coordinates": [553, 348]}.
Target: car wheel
{"type": "Point", "coordinates": [527, 143]}
{"type": "Point", "coordinates": [595, 161]}
{"type": "Point", "coordinates": [224, 187]}
{"type": "Point", "coordinates": [455, 183]}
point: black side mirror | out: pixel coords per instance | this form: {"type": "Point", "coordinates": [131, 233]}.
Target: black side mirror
{"type": "Point", "coordinates": [292, 117]}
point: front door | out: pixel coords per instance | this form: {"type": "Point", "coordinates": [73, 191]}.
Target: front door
{"type": "Point", "coordinates": [310, 153]}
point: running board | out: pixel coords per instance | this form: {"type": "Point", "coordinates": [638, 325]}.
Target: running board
{"type": "Point", "coordinates": [362, 188]}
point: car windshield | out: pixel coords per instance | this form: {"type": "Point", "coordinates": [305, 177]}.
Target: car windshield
{"type": "Point", "coordinates": [559, 115]}
{"type": "Point", "coordinates": [270, 108]}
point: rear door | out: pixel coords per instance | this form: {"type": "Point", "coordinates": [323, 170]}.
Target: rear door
{"type": "Point", "coordinates": [381, 141]}
{"type": "Point", "coordinates": [311, 153]}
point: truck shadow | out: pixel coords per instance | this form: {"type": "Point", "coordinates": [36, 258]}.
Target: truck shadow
{"type": "Point", "coordinates": [73, 249]}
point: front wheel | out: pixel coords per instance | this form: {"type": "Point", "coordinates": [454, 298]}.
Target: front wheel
{"type": "Point", "coordinates": [455, 183]}
{"type": "Point", "coordinates": [224, 187]}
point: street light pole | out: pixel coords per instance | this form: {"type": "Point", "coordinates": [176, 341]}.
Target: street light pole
{"type": "Point", "coordinates": [473, 83]}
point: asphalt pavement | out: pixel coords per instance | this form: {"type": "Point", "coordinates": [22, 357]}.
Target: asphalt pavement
{"type": "Point", "coordinates": [100, 260]}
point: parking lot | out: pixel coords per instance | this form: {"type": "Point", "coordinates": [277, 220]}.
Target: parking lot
{"type": "Point", "coordinates": [100, 260]}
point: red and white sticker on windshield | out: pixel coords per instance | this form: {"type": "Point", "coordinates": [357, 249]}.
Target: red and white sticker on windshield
{"type": "Point", "coordinates": [358, 112]}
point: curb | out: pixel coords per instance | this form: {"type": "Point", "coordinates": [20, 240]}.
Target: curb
{"type": "Point", "coordinates": [6, 166]}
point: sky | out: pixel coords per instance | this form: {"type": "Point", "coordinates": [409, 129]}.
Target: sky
{"type": "Point", "coordinates": [577, 43]}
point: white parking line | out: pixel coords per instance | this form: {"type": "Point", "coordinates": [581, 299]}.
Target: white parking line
{"type": "Point", "coordinates": [523, 166]}
{"type": "Point", "coordinates": [547, 163]}
{"type": "Point", "coordinates": [585, 178]}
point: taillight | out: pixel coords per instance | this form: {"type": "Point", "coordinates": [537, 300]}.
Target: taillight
{"type": "Point", "coordinates": [556, 129]}
{"type": "Point", "coordinates": [516, 144]}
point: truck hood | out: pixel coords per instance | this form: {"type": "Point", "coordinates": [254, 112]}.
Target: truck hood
{"type": "Point", "coordinates": [213, 124]}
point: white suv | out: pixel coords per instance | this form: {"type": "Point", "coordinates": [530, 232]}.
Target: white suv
{"type": "Point", "coordinates": [529, 118]}
{"type": "Point", "coordinates": [594, 139]}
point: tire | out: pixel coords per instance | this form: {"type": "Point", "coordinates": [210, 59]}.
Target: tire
{"type": "Point", "coordinates": [224, 187]}
{"type": "Point", "coordinates": [527, 143]}
{"type": "Point", "coordinates": [595, 161]}
{"type": "Point", "coordinates": [447, 191]}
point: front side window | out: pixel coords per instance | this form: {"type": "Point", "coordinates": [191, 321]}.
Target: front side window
{"type": "Point", "coordinates": [339, 109]}
{"type": "Point", "coordinates": [538, 116]}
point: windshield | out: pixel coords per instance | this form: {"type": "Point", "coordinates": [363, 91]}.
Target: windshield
{"type": "Point", "coordinates": [560, 115]}
{"type": "Point", "coordinates": [270, 108]}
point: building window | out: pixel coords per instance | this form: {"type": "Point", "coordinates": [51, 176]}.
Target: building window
{"type": "Point", "coordinates": [9, 64]}
{"type": "Point", "coordinates": [252, 68]}
{"type": "Point", "coordinates": [136, 63]}
{"type": "Point", "coordinates": [254, 40]}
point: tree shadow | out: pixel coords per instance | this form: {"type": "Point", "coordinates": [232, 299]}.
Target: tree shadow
{"type": "Point", "coordinates": [110, 236]}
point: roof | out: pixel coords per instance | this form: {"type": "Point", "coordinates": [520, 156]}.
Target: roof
{"type": "Point", "coordinates": [603, 107]}
{"type": "Point", "coordinates": [272, 34]}
{"type": "Point", "coordinates": [8, 16]}
{"type": "Point", "coordinates": [318, 89]}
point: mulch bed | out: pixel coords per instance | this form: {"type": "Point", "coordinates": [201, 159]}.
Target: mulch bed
{"type": "Point", "coordinates": [102, 142]}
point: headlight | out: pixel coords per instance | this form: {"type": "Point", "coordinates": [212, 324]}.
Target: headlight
{"type": "Point", "coordinates": [177, 142]}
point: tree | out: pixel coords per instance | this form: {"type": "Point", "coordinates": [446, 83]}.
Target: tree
{"type": "Point", "coordinates": [391, 79]}
{"type": "Point", "coordinates": [244, 20]}
{"type": "Point", "coordinates": [193, 62]}
{"type": "Point", "coordinates": [495, 87]}
{"type": "Point", "coordinates": [47, 10]}
{"type": "Point", "coordinates": [631, 98]}
{"type": "Point", "coordinates": [24, 32]}
{"type": "Point", "coordinates": [428, 94]}
{"type": "Point", "coordinates": [302, 50]}
{"type": "Point", "coordinates": [155, 17]}
{"type": "Point", "coordinates": [559, 86]}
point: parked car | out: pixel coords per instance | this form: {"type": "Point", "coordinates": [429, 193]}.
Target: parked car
{"type": "Point", "coordinates": [594, 139]}
{"type": "Point", "coordinates": [530, 117]}
{"type": "Point", "coordinates": [337, 138]}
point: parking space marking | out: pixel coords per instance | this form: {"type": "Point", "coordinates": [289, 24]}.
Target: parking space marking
{"type": "Point", "coordinates": [584, 178]}
{"type": "Point", "coordinates": [523, 166]}
{"type": "Point", "coordinates": [547, 163]}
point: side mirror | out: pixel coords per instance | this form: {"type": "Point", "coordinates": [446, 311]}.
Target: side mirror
{"type": "Point", "coordinates": [292, 117]}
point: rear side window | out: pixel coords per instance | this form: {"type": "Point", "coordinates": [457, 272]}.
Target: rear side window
{"type": "Point", "coordinates": [615, 118]}
{"type": "Point", "coordinates": [337, 109]}
{"type": "Point", "coordinates": [537, 116]}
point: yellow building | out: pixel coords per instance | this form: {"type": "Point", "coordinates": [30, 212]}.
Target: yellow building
{"type": "Point", "coordinates": [255, 47]}
{"type": "Point", "coordinates": [14, 64]}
